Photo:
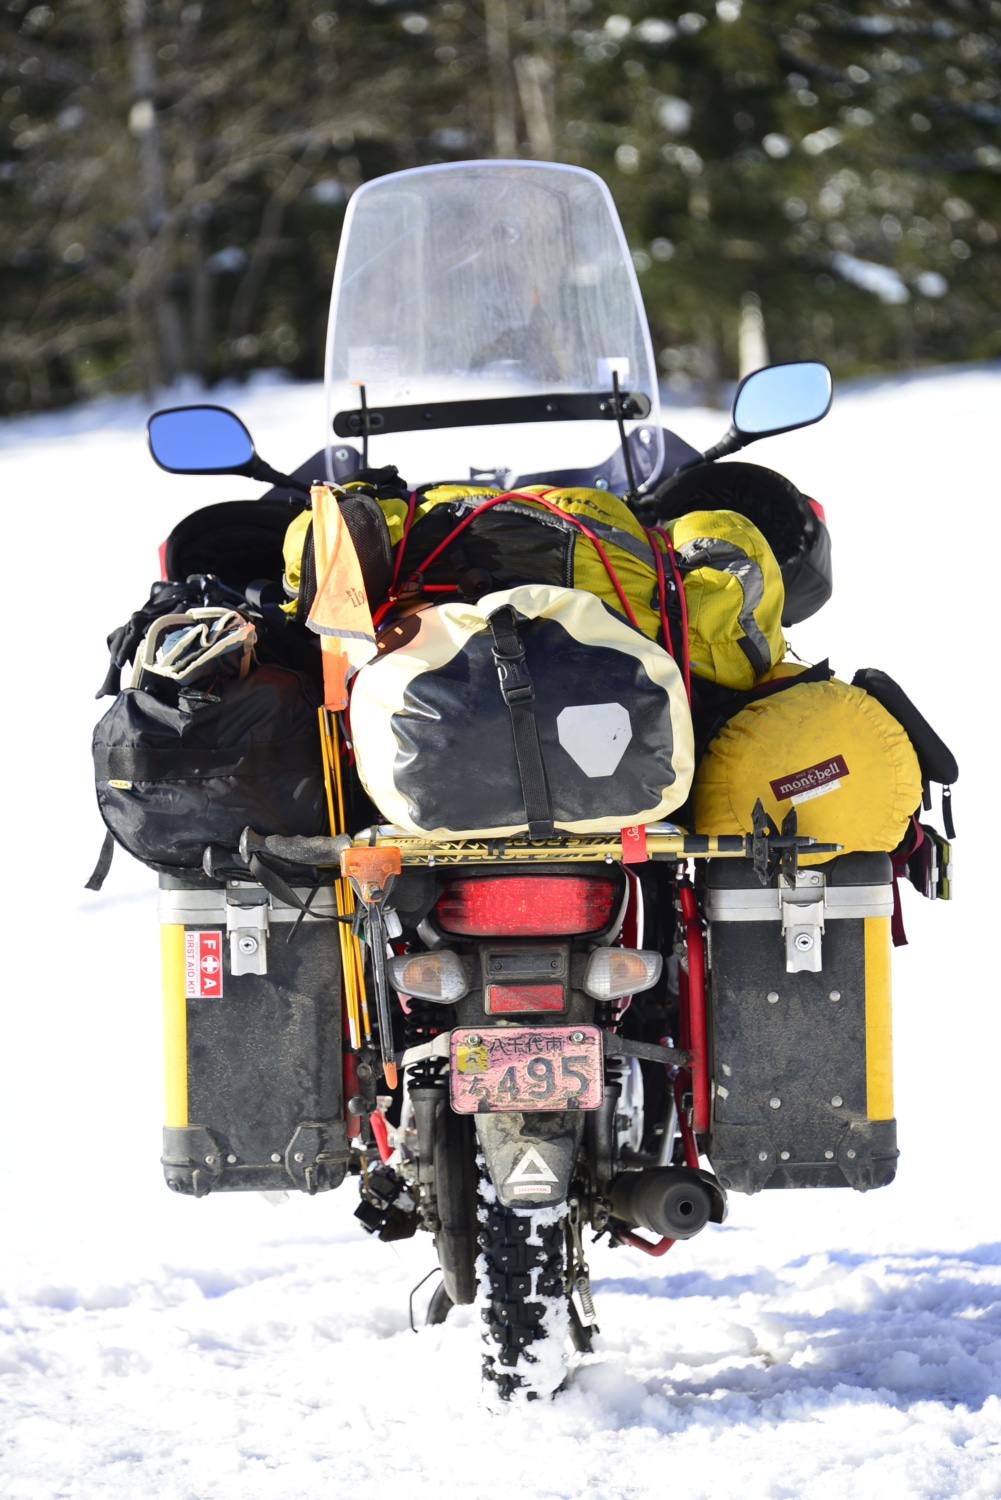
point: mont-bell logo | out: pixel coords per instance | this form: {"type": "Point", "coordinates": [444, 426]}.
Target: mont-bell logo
{"type": "Point", "coordinates": [812, 781]}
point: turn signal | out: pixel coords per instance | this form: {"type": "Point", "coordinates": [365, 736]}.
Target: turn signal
{"type": "Point", "coordinates": [431, 976]}
{"type": "Point", "coordinates": [614, 972]}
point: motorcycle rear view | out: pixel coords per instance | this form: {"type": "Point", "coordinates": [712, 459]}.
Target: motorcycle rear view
{"type": "Point", "coordinates": [507, 866]}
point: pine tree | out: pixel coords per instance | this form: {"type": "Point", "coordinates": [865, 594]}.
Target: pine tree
{"type": "Point", "coordinates": [173, 175]}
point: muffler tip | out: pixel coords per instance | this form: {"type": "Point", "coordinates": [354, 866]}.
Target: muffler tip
{"type": "Point", "coordinates": [664, 1200]}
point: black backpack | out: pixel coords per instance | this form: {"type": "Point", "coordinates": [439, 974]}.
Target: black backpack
{"type": "Point", "coordinates": [174, 778]}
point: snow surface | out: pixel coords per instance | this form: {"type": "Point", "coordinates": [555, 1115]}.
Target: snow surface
{"type": "Point", "coordinates": [817, 1345]}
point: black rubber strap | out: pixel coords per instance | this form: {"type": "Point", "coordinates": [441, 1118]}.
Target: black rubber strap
{"type": "Point", "coordinates": [103, 865]}
{"type": "Point", "coordinates": [267, 876]}
{"type": "Point", "coordinates": [518, 693]}
{"type": "Point", "coordinates": [950, 827]}
{"type": "Point", "coordinates": [131, 763]}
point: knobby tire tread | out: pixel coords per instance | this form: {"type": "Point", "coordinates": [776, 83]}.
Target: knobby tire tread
{"type": "Point", "coordinates": [520, 1274]}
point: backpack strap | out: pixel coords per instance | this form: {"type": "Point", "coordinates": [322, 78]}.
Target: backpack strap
{"type": "Point", "coordinates": [103, 864]}
{"type": "Point", "coordinates": [678, 649]}
{"type": "Point", "coordinates": [518, 692]}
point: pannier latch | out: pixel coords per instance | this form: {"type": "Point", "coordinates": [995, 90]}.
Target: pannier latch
{"type": "Point", "coordinates": [803, 904]}
{"type": "Point", "coordinates": [248, 938]}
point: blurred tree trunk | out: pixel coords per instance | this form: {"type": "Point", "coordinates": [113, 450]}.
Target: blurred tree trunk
{"type": "Point", "coordinates": [534, 74]}
{"type": "Point", "coordinates": [502, 86]}
{"type": "Point", "coordinates": [157, 255]}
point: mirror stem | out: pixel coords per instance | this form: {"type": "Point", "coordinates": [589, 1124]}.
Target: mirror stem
{"type": "Point", "coordinates": [731, 443]}
{"type": "Point", "coordinates": [267, 475]}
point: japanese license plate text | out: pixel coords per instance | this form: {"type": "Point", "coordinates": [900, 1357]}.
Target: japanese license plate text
{"type": "Point", "coordinates": [526, 1068]}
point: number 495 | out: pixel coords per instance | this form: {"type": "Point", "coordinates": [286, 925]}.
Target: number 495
{"type": "Point", "coordinates": [542, 1077]}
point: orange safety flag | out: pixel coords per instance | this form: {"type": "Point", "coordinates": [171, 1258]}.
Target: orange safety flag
{"type": "Point", "coordinates": [340, 614]}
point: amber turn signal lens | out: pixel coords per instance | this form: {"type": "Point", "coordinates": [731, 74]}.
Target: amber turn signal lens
{"type": "Point", "coordinates": [430, 976]}
{"type": "Point", "coordinates": [612, 973]}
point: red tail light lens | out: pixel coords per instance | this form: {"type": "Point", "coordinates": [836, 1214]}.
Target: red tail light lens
{"type": "Point", "coordinates": [527, 905]}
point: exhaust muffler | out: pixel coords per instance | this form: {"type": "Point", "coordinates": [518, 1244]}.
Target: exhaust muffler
{"type": "Point", "coordinates": [670, 1201]}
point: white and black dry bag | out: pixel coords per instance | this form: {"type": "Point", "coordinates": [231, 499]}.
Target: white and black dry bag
{"type": "Point", "coordinates": [535, 710]}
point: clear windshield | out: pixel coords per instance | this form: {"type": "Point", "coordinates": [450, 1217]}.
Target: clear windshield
{"type": "Point", "coordinates": [490, 279]}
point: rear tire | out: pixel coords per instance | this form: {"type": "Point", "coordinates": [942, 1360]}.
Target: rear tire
{"type": "Point", "coordinates": [522, 1300]}
{"type": "Point", "coordinates": [439, 1307]}
{"type": "Point", "coordinates": [455, 1178]}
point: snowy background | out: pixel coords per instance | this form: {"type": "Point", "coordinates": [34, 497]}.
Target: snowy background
{"type": "Point", "coordinates": [817, 1345]}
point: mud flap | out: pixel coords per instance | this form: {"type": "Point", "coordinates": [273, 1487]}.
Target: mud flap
{"type": "Point", "coordinates": [530, 1157]}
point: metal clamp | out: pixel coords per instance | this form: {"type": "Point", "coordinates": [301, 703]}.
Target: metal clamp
{"type": "Point", "coordinates": [248, 938]}
{"type": "Point", "coordinates": [803, 906]}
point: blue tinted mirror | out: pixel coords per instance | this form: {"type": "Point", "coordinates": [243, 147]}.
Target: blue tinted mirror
{"type": "Point", "coordinates": [782, 396]}
{"type": "Point", "coordinates": [199, 440]}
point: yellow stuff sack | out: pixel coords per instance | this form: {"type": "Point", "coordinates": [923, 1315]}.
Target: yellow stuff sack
{"type": "Point", "coordinates": [734, 595]}
{"type": "Point", "coordinates": [826, 749]}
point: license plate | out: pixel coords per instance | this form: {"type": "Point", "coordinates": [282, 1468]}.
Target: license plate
{"type": "Point", "coordinates": [526, 1068]}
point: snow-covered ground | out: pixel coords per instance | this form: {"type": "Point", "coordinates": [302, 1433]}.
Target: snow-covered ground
{"type": "Point", "coordinates": [815, 1346]}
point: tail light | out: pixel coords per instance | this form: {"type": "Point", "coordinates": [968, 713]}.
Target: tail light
{"type": "Point", "coordinates": [527, 905]}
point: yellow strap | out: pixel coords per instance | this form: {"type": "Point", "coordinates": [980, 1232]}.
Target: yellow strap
{"type": "Point", "coordinates": [175, 1026]}
{"type": "Point", "coordinates": [878, 1020]}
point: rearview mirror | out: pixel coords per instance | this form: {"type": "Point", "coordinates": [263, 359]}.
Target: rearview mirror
{"type": "Point", "coordinates": [781, 397]}
{"type": "Point", "coordinates": [210, 440]}
{"type": "Point", "coordinates": [200, 440]}
{"type": "Point", "coordinates": [773, 400]}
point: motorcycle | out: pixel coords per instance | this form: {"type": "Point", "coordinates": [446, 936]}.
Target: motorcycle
{"type": "Point", "coordinates": [507, 1039]}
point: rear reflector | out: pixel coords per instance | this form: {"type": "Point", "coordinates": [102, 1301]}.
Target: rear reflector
{"type": "Point", "coordinates": [527, 905]}
{"type": "Point", "coordinates": [520, 998]}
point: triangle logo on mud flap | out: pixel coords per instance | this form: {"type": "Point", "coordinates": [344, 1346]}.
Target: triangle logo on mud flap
{"type": "Point", "coordinates": [531, 1174]}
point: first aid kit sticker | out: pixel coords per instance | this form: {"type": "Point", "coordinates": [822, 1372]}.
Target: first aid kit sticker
{"type": "Point", "coordinates": [202, 964]}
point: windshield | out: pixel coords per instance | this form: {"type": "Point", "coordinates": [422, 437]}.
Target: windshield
{"type": "Point", "coordinates": [482, 280]}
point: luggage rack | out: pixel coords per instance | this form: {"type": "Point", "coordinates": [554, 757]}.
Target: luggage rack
{"type": "Point", "coordinates": [772, 852]}
{"type": "Point", "coordinates": [416, 850]}
{"type": "Point", "coordinates": [663, 841]}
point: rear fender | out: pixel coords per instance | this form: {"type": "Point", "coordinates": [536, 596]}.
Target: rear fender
{"type": "Point", "coordinates": [530, 1158]}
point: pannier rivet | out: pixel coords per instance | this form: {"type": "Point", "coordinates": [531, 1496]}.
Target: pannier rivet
{"type": "Point", "coordinates": [851, 1155]}
{"type": "Point", "coordinates": [300, 1156]}
{"type": "Point", "coordinates": [276, 1156]}
{"type": "Point", "coordinates": [814, 879]}
{"type": "Point", "coordinates": [210, 1161]}
{"type": "Point", "coordinates": [232, 1160]}
{"type": "Point", "coordinates": [576, 1036]}
{"type": "Point", "coordinates": [772, 997]}
{"type": "Point", "coordinates": [804, 942]}
{"type": "Point", "coordinates": [775, 1103]}
{"type": "Point", "coordinates": [784, 1155]}
{"type": "Point", "coordinates": [829, 1155]}
{"type": "Point", "coordinates": [834, 995]}
{"type": "Point", "coordinates": [837, 1101]}
{"type": "Point", "coordinates": [762, 1155]}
